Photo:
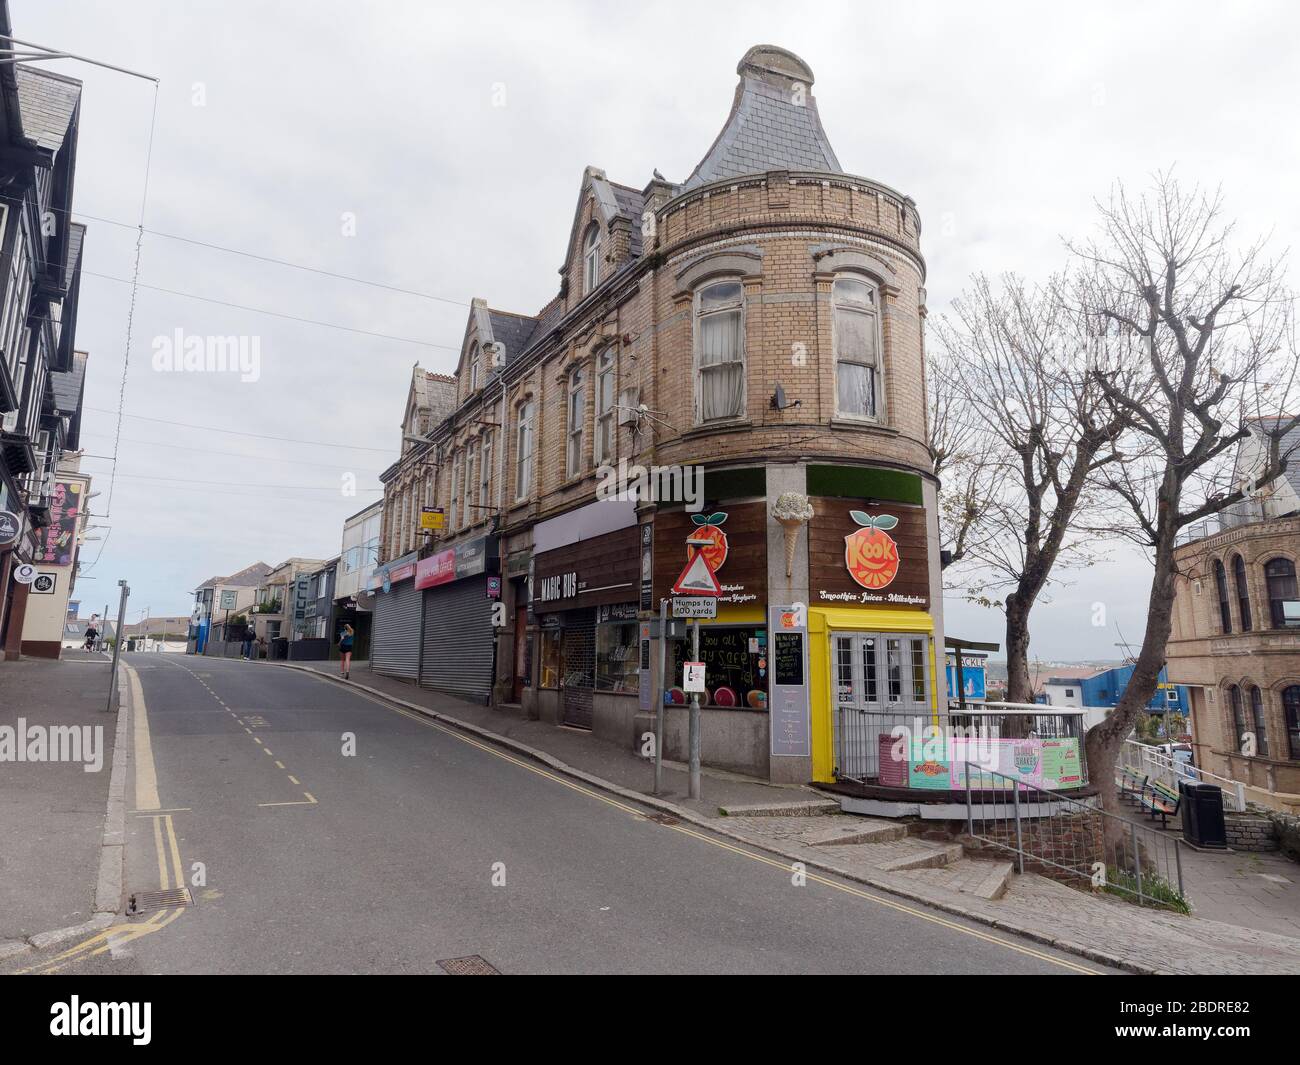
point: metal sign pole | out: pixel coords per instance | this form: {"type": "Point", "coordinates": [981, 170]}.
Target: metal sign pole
{"type": "Point", "coordinates": [695, 719]}
{"type": "Point", "coordinates": [659, 690]}
{"type": "Point", "coordinates": [117, 642]}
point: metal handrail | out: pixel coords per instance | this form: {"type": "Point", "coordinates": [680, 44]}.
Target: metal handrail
{"type": "Point", "coordinates": [1169, 771]}
{"type": "Point", "coordinates": [1066, 836]}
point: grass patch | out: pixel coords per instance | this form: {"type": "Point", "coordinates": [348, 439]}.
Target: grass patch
{"type": "Point", "coordinates": [1155, 890]}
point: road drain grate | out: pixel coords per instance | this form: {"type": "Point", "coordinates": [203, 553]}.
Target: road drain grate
{"type": "Point", "coordinates": [662, 819]}
{"type": "Point", "coordinates": [144, 901]}
{"type": "Point", "coordinates": [474, 965]}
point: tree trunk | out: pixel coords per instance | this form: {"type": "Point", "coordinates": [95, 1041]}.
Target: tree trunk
{"type": "Point", "coordinates": [1020, 688]}
{"type": "Point", "coordinates": [1105, 739]}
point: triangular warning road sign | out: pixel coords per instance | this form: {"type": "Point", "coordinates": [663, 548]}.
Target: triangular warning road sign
{"type": "Point", "coordinates": [697, 579]}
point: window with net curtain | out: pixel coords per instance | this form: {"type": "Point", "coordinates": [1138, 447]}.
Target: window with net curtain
{"type": "Point", "coordinates": [856, 335]}
{"type": "Point", "coordinates": [720, 351]}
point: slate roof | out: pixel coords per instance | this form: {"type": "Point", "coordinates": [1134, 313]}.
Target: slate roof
{"type": "Point", "coordinates": [630, 203]}
{"type": "Point", "coordinates": [767, 129]}
{"type": "Point", "coordinates": [47, 102]}
{"type": "Point", "coordinates": [512, 330]}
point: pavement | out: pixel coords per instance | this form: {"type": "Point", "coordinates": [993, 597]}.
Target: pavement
{"type": "Point", "coordinates": [1242, 923]}
{"type": "Point", "coordinates": [319, 829]}
{"type": "Point", "coordinates": [52, 814]}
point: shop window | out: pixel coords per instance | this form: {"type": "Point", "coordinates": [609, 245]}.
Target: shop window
{"type": "Point", "coordinates": [1221, 588]}
{"type": "Point", "coordinates": [1243, 596]}
{"type": "Point", "coordinates": [577, 414]}
{"type": "Point", "coordinates": [618, 657]}
{"type": "Point", "coordinates": [735, 668]}
{"type": "Point", "coordinates": [1279, 579]}
{"type": "Point", "coordinates": [1291, 712]}
{"type": "Point", "coordinates": [1257, 715]}
{"type": "Point", "coordinates": [550, 658]}
{"type": "Point", "coordinates": [855, 327]}
{"type": "Point", "coordinates": [720, 351]}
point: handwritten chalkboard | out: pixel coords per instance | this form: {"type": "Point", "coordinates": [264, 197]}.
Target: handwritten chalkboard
{"type": "Point", "coordinates": [788, 658]}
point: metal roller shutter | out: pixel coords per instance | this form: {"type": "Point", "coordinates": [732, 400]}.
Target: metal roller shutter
{"type": "Point", "coordinates": [395, 645]}
{"type": "Point", "coordinates": [458, 640]}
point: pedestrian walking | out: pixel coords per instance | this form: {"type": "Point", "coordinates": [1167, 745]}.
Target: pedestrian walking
{"type": "Point", "coordinates": [250, 638]}
{"type": "Point", "coordinates": [345, 650]}
{"type": "Point", "coordinates": [92, 632]}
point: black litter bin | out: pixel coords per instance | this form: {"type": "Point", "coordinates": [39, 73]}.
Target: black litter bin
{"type": "Point", "coordinates": [1202, 810]}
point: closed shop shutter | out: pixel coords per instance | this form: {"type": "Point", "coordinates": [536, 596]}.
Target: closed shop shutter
{"type": "Point", "coordinates": [395, 646]}
{"type": "Point", "coordinates": [458, 640]}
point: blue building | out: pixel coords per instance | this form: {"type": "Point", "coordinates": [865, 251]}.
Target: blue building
{"type": "Point", "coordinates": [1104, 689]}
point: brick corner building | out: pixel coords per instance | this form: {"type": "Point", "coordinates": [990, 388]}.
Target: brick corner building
{"type": "Point", "coordinates": [753, 332]}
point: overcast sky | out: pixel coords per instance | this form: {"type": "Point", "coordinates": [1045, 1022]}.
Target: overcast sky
{"type": "Point", "coordinates": [1002, 121]}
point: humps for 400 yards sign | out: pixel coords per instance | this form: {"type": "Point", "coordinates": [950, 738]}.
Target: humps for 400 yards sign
{"type": "Point", "coordinates": [868, 555]}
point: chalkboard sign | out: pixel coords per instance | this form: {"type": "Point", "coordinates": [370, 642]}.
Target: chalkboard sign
{"type": "Point", "coordinates": [788, 658]}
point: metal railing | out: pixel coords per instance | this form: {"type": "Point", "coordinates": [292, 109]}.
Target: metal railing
{"type": "Point", "coordinates": [858, 731]}
{"type": "Point", "coordinates": [1073, 840]}
{"type": "Point", "coordinates": [1163, 769]}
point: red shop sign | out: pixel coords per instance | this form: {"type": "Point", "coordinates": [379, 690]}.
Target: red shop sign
{"type": "Point", "coordinates": [436, 569]}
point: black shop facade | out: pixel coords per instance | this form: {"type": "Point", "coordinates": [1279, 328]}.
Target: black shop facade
{"type": "Point", "coordinates": [585, 596]}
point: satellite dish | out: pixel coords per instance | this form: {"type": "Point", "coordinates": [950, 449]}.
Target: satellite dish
{"type": "Point", "coordinates": [779, 402]}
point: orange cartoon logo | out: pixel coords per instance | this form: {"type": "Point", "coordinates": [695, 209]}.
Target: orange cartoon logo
{"type": "Point", "coordinates": [708, 527]}
{"type": "Point", "coordinates": [870, 552]}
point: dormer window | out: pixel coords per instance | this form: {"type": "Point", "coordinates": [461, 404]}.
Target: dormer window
{"type": "Point", "coordinates": [591, 259]}
{"type": "Point", "coordinates": [473, 368]}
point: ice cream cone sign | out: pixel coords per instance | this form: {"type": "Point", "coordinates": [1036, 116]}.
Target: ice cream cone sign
{"type": "Point", "coordinates": [870, 553]}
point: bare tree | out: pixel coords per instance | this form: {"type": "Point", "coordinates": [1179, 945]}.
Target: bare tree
{"type": "Point", "coordinates": [960, 449]}
{"type": "Point", "coordinates": [1195, 338]}
{"type": "Point", "coordinates": [1021, 354]}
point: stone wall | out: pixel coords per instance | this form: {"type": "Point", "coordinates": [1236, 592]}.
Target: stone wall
{"type": "Point", "coordinates": [1250, 832]}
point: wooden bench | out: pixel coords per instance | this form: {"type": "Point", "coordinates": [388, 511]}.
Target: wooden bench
{"type": "Point", "coordinates": [1132, 783]}
{"type": "Point", "coordinates": [1161, 801]}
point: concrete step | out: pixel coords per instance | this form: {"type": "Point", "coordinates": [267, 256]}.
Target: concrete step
{"type": "Point", "coordinates": [800, 808]}
{"type": "Point", "coordinates": [859, 831]}
{"type": "Point", "coordinates": [924, 855]}
{"type": "Point", "coordinates": [984, 880]}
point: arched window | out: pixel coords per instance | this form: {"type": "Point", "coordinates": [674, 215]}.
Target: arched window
{"type": "Point", "coordinates": [591, 258]}
{"type": "Point", "coordinates": [720, 351]}
{"type": "Point", "coordinates": [1243, 596]}
{"type": "Point", "coordinates": [855, 327]}
{"type": "Point", "coordinates": [1238, 716]}
{"type": "Point", "coordinates": [524, 451]}
{"type": "Point", "coordinates": [1279, 579]}
{"type": "Point", "coordinates": [1257, 718]}
{"type": "Point", "coordinates": [606, 374]}
{"type": "Point", "coordinates": [577, 416]}
{"type": "Point", "coordinates": [1221, 587]}
{"type": "Point", "coordinates": [1291, 712]}
{"type": "Point", "coordinates": [454, 509]}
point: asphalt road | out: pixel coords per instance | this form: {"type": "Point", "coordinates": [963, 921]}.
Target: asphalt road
{"type": "Point", "coordinates": [337, 834]}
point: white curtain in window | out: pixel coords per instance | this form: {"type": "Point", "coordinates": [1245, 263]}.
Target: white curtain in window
{"type": "Point", "coordinates": [722, 371]}
{"type": "Point", "coordinates": [855, 361]}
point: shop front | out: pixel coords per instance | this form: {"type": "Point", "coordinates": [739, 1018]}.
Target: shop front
{"type": "Point", "coordinates": [734, 646]}
{"type": "Point", "coordinates": [398, 616]}
{"type": "Point", "coordinates": [460, 589]}
{"type": "Point", "coordinates": [870, 631]}
{"type": "Point", "coordinates": [585, 599]}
